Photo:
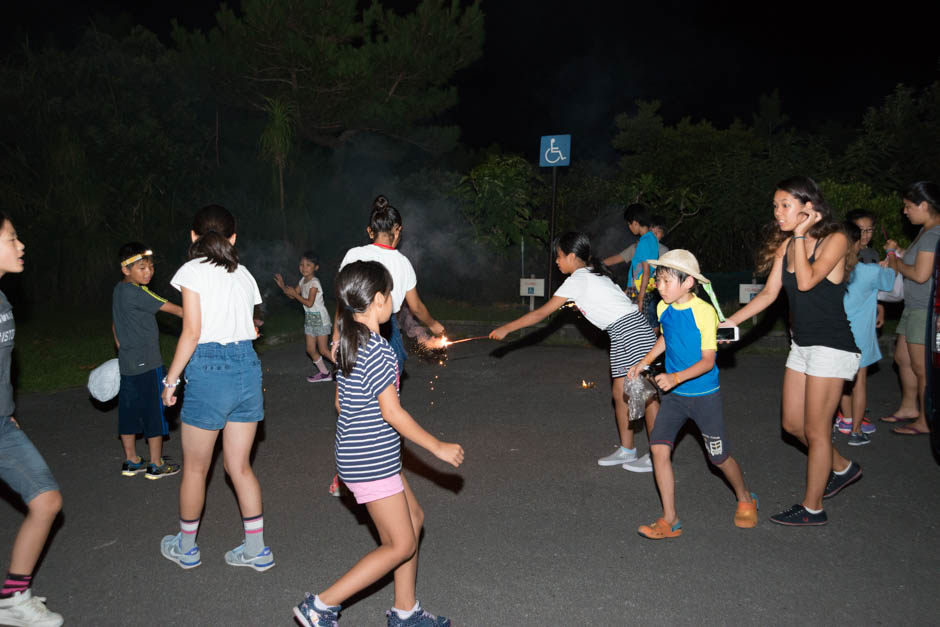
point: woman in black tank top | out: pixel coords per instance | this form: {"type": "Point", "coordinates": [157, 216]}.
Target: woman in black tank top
{"type": "Point", "coordinates": [807, 257]}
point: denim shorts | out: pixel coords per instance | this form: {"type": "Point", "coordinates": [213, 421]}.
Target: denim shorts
{"type": "Point", "coordinates": [21, 466]}
{"type": "Point", "coordinates": [223, 384]}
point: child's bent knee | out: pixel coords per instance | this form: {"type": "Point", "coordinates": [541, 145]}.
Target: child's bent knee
{"type": "Point", "coordinates": [47, 504]}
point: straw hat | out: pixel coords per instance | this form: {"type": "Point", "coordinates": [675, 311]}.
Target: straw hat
{"type": "Point", "coordinates": [681, 260]}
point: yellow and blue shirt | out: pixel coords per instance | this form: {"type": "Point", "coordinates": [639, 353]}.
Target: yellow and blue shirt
{"type": "Point", "coordinates": [689, 328]}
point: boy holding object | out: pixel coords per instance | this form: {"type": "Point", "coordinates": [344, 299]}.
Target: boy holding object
{"type": "Point", "coordinates": [140, 409]}
{"type": "Point", "coordinates": [690, 389]}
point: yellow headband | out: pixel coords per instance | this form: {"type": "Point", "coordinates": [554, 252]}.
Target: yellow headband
{"type": "Point", "coordinates": [138, 257]}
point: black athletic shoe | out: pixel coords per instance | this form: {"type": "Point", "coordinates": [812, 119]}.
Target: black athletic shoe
{"type": "Point", "coordinates": [837, 482]}
{"type": "Point", "coordinates": [797, 516]}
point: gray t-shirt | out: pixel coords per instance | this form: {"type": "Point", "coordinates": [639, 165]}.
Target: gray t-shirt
{"type": "Point", "coordinates": [7, 332]}
{"type": "Point", "coordinates": [868, 255]}
{"type": "Point", "coordinates": [627, 253]}
{"type": "Point", "coordinates": [916, 295]}
{"type": "Point", "coordinates": [133, 309]}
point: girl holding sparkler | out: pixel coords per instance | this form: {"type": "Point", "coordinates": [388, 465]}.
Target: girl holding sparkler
{"type": "Point", "coordinates": [385, 232]}
{"type": "Point", "coordinates": [368, 451]}
{"type": "Point", "coordinates": [593, 291]}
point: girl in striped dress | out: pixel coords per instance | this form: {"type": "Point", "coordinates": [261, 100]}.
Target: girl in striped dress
{"type": "Point", "coordinates": [591, 288]}
{"type": "Point", "coordinates": [368, 452]}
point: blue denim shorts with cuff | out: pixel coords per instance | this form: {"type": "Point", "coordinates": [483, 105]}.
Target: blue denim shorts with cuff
{"type": "Point", "coordinates": [21, 466]}
{"type": "Point", "coordinates": [223, 384]}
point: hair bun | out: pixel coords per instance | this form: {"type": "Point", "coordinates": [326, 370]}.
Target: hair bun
{"type": "Point", "coordinates": [380, 202]}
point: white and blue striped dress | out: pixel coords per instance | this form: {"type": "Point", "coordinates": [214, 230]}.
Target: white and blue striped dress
{"type": "Point", "coordinates": [367, 447]}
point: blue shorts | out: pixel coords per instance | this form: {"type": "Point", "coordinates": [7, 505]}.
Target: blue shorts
{"type": "Point", "coordinates": [223, 384]}
{"type": "Point", "coordinates": [140, 408]}
{"type": "Point", "coordinates": [705, 411]}
{"type": "Point", "coordinates": [21, 466]}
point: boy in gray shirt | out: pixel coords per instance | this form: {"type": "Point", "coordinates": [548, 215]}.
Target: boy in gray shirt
{"type": "Point", "coordinates": [140, 408]}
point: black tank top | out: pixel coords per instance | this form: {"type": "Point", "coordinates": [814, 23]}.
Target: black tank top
{"type": "Point", "coordinates": [817, 316]}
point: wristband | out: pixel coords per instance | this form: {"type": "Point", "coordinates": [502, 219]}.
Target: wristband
{"type": "Point", "coordinates": [167, 384]}
{"type": "Point", "coordinates": [675, 375]}
{"type": "Point", "coordinates": [799, 237]}
{"type": "Point", "coordinates": [893, 252]}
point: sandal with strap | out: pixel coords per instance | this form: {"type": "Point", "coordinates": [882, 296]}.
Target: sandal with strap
{"type": "Point", "coordinates": [660, 529]}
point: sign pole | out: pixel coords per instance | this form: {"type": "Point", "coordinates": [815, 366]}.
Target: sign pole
{"type": "Point", "coordinates": [551, 233]}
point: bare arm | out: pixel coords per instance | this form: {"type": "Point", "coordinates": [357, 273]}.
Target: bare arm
{"type": "Point", "coordinates": [114, 333]}
{"type": "Point", "coordinates": [307, 302]}
{"type": "Point", "coordinates": [421, 312]}
{"type": "Point", "coordinates": [766, 297]}
{"type": "Point", "coordinates": [669, 380]}
{"type": "Point", "coordinates": [831, 254]}
{"type": "Point", "coordinates": [189, 338]}
{"type": "Point", "coordinates": [920, 272]}
{"type": "Point", "coordinates": [395, 415]}
{"type": "Point", "coordinates": [172, 308]}
{"type": "Point", "coordinates": [533, 317]}
{"type": "Point", "coordinates": [644, 281]}
{"type": "Point", "coordinates": [613, 260]}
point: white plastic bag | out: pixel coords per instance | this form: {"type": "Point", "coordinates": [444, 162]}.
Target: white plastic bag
{"type": "Point", "coordinates": [105, 381]}
{"type": "Point", "coordinates": [638, 392]}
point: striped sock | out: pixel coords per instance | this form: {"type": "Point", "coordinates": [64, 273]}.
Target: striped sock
{"type": "Point", "coordinates": [254, 534]}
{"type": "Point", "coordinates": [188, 529]}
{"type": "Point", "coordinates": [14, 584]}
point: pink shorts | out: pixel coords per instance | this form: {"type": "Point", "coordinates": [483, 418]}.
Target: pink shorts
{"type": "Point", "coordinates": [368, 491]}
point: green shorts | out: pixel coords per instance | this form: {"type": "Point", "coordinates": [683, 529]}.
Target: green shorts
{"type": "Point", "coordinates": [913, 325]}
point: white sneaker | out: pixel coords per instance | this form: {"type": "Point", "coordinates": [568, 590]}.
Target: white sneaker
{"type": "Point", "coordinates": [640, 464]}
{"type": "Point", "coordinates": [25, 610]}
{"type": "Point", "coordinates": [617, 458]}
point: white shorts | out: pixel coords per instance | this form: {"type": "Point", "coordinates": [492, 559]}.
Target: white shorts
{"type": "Point", "coordinates": [822, 361]}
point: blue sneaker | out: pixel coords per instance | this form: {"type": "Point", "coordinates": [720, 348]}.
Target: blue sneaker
{"type": "Point", "coordinates": [309, 616]}
{"type": "Point", "coordinates": [129, 468]}
{"type": "Point", "coordinates": [260, 562]}
{"type": "Point", "coordinates": [420, 618]}
{"type": "Point", "coordinates": [163, 469]}
{"type": "Point", "coordinates": [171, 548]}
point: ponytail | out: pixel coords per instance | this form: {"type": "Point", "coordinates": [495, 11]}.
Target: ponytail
{"type": "Point", "coordinates": [580, 245]}
{"type": "Point", "coordinates": [214, 226]}
{"type": "Point", "coordinates": [356, 287]}
{"type": "Point", "coordinates": [384, 217]}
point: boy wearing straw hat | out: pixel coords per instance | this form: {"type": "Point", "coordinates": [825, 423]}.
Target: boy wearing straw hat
{"type": "Point", "coordinates": [690, 387]}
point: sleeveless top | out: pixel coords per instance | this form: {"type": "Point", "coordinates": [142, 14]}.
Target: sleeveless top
{"type": "Point", "coordinates": [817, 316]}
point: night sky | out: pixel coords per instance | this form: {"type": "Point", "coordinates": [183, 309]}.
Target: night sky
{"type": "Point", "coordinates": [555, 67]}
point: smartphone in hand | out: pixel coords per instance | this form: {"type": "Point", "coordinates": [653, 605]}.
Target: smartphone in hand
{"type": "Point", "coordinates": [728, 334]}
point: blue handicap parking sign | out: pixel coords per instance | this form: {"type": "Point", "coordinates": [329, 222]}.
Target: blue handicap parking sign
{"type": "Point", "coordinates": [555, 151]}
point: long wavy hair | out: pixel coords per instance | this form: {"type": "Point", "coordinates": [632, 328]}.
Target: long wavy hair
{"type": "Point", "coordinates": [804, 189]}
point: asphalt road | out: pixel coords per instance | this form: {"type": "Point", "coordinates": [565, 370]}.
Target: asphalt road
{"type": "Point", "coordinates": [529, 531]}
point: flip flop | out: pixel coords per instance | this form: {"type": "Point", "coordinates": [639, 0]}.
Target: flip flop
{"type": "Point", "coordinates": [893, 419]}
{"type": "Point", "coordinates": [909, 430]}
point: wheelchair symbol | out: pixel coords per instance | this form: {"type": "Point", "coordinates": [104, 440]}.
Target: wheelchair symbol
{"type": "Point", "coordinates": [553, 154]}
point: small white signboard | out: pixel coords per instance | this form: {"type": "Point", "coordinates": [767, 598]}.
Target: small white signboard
{"type": "Point", "coordinates": [747, 291]}
{"type": "Point", "coordinates": [531, 287]}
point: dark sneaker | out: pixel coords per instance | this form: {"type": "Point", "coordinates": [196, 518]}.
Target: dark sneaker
{"type": "Point", "coordinates": [308, 614]}
{"type": "Point", "coordinates": [163, 469]}
{"type": "Point", "coordinates": [420, 618]}
{"type": "Point", "coordinates": [859, 439]}
{"type": "Point", "coordinates": [320, 377]}
{"type": "Point", "coordinates": [129, 468]}
{"type": "Point", "coordinates": [797, 516]}
{"type": "Point", "coordinates": [837, 482]}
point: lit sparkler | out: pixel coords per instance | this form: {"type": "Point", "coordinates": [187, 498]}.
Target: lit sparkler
{"type": "Point", "coordinates": [587, 384]}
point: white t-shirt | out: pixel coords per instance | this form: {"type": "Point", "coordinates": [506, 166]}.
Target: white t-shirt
{"type": "Point", "coordinates": [305, 286]}
{"type": "Point", "coordinates": [403, 275]}
{"type": "Point", "coordinates": [598, 298]}
{"type": "Point", "coordinates": [226, 300]}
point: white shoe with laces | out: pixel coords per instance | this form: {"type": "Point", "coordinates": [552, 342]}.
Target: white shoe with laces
{"type": "Point", "coordinates": [641, 464]}
{"type": "Point", "coordinates": [617, 458]}
{"type": "Point", "coordinates": [25, 610]}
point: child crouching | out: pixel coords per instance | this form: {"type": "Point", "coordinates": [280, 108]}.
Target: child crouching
{"type": "Point", "coordinates": [691, 389]}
